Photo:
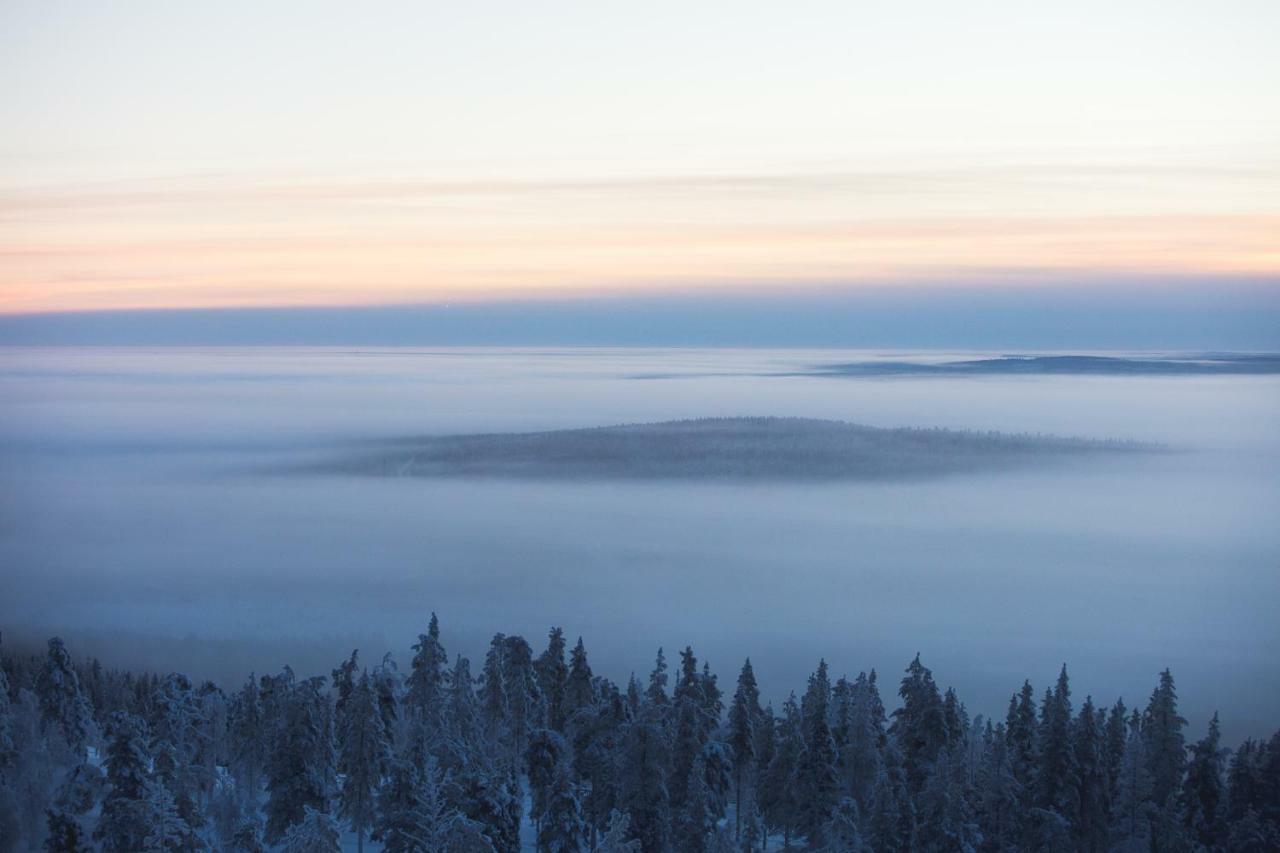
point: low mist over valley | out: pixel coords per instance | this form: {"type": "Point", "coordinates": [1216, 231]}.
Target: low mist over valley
{"type": "Point", "coordinates": [221, 511]}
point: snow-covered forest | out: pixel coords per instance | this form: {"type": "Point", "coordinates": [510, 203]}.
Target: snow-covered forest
{"type": "Point", "coordinates": [535, 752]}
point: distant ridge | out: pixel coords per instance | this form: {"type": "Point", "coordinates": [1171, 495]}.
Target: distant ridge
{"type": "Point", "coordinates": [761, 448]}
{"type": "Point", "coordinates": [1210, 364]}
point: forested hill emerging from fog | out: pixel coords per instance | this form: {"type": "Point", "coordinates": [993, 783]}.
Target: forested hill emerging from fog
{"type": "Point", "coordinates": [763, 448]}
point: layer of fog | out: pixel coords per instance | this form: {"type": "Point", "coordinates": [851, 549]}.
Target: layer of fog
{"type": "Point", "coordinates": [129, 522]}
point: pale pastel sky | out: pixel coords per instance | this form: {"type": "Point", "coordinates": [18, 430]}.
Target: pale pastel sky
{"type": "Point", "coordinates": [183, 154]}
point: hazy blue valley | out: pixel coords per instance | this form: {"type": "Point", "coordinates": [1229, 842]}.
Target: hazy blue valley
{"type": "Point", "coordinates": [153, 511]}
{"type": "Point", "coordinates": [813, 521]}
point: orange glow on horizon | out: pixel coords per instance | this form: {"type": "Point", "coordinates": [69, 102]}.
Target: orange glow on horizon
{"type": "Point", "coordinates": [189, 246]}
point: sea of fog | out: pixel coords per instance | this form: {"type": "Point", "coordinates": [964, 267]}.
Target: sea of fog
{"type": "Point", "coordinates": [156, 510]}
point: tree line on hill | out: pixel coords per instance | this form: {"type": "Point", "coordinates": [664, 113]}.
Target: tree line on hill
{"type": "Point", "coordinates": [435, 758]}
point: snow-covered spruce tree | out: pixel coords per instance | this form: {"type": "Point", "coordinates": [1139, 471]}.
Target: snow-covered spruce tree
{"type": "Point", "coordinates": [31, 772]}
{"type": "Point", "coordinates": [615, 838]}
{"type": "Point", "coordinates": [685, 746]}
{"type": "Point", "coordinates": [1046, 831]}
{"type": "Point", "coordinates": [426, 674]}
{"type": "Point", "coordinates": [711, 701]}
{"type": "Point", "coordinates": [246, 838]}
{"type": "Point", "coordinates": [463, 728]}
{"type": "Point", "coordinates": [751, 836]}
{"type": "Point", "coordinates": [1057, 776]}
{"type": "Point", "coordinates": [1168, 831]}
{"type": "Point", "coordinates": [553, 677]}
{"type": "Point", "coordinates": [363, 757]}
{"type": "Point", "coordinates": [642, 794]}
{"type": "Point", "coordinates": [425, 685]}
{"type": "Point", "coordinates": [957, 720]}
{"type": "Point", "coordinates": [919, 726]}
{"type": "Point", "coordinates": [561, 829]}
{"type": "Point", "coordinates": [389, 687]}
{"type": "Point", "coordinates": [1114, 736]}
{"type": "Point", "coordinates": [66, 835]}
{"type": "Point", "coordinates": [843, 834]}
{"type": "Point", "coordinates": [1132, 811]}
{"type": "Point", "coordinates": [8, 749]}
{"type": "Point", "coordinates": [63, 706]}
{"type": "Point", "coordinates": [274, 695]}
{"type": "Point", "coordinates": [744, 713]}
{"type": "Point", "coordinates": [300, 768]}
{"type": "Point", "coordinates": [493, 701]}
{"type": "Point", "coordinates": [229, 816]}
{"type": "Point", "coordinates": [166, 829]}
{"type": "Point", "coordinates": [596, 732]}
{"type": "Point", "coordinates": [462, 835]}
{"type": "Point", "coordinates": [525, 708]}
{"type": "Point", "coordinates": [414, 816]}
{"type": "Point", "coordinates": [697, 714]}
{"type": "Point", "coordinates": [1020, 738]}
{"type": "Point", "coordinates": [721, 840]}
{"type": "Point", "coordinates": [410, 809]}
{"type": "Point", "coordinates": [777, 797]}
{"type": "Point", "coordinates": [944, 816]}
{"type": "Point", "coordinates": [94, 682]}
{"type": "Point", "coordinates": [1166, 752]}
{"type": "Point", "coordinates": [1251, 835]}
{"type": "Point", "coordinates": [344, 681]}
{"type": "Point", "coordinates": [1268, 788]}
{"type": "Point", "coordinates": [316, 832]}
{"type": "Point", "coordinates": [840, 715]}
{"type": "Point", "coordinates": [174, 723]}
{"type": "Point", "coordinates": [816, 779]}
{"type": "Point", "coordinates": [765, 746]}
{"type": "Point", "coordinates": [863, 742]}
{"type": "Point", "coordinates": [579, 688]}
{"type": "Point", "coordinates": [696, 818]}
{"type": "Point", "coordinates": [1203, 797]}
{"type": "Point", "coordinates": [1090, 823]}
{"type": "Point", "coordinates": [211, 750]}
{"type": "Point", "coordinates": [490, 796]}
{"type": "Point", "coordinates": [997, 792]}
{"type": "Point", "coordinates": [248, 742]}
{"type": "Point", "coordinates": [79, 792]}
{"type": "Point", "coordinates": [635, 695]}
{"type": "Point", "coordinates": [892, 823]}
{"type": "Point", "coordinates": [1253, 793]}
{"type": "Point", "coordinates": [656, 692]}
{"type": "Point", "coordinates": [126, 810]}
{"type": "Point", "coordinates": [717, 773]}
{"type": "Point", "coordinates": [1243, 780]}
{"type": "Point", "coordinates": [544, 758]}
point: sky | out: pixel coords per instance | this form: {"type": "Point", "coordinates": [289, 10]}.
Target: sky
{"type": "Point", "coordinates": [242, 155]}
